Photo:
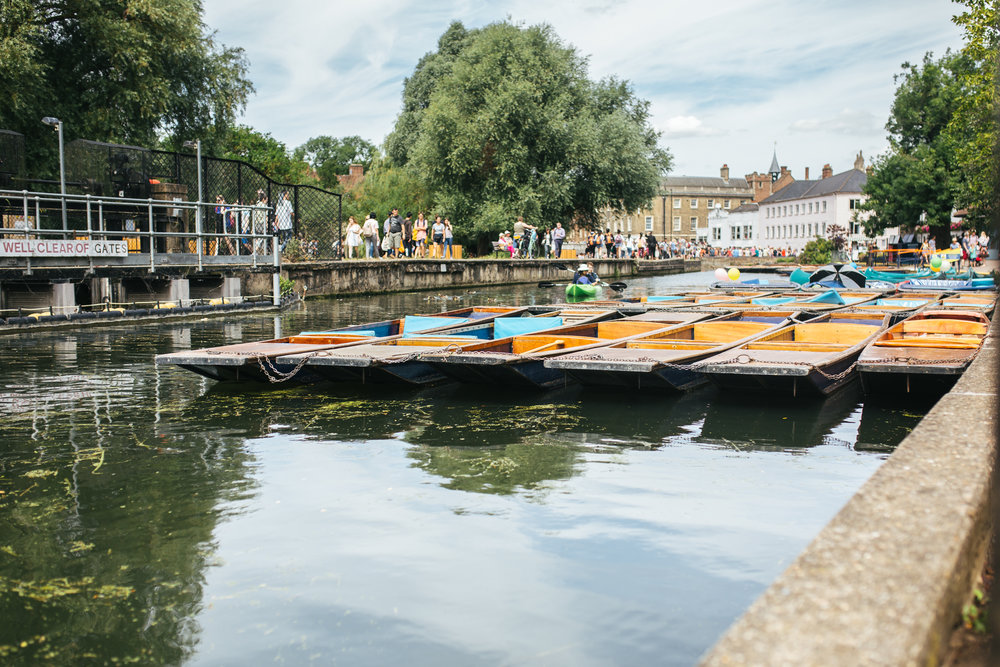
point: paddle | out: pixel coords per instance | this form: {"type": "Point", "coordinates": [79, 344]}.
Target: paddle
{"type": "Point", "coordinates": [618, 287]}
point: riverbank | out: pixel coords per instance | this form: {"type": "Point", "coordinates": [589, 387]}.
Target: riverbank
{"type": "Point", "coordinates": [885, 581]}
{"type": "Point", "coordinates": [411, 275]}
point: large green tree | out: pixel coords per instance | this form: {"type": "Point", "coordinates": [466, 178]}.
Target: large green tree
{"type": "Point", "coordinates": [266, 153]}
{"type": "Point", "coordinates": [502, 121]}
{"type": "Point", "coordinates": [918, 179]}
{"type": "Point", "coordinates": [974, 125]}
{"type": "Point", "coordinates": [126, 71]}
{"type": "Point", "coordinates": [330, 157]}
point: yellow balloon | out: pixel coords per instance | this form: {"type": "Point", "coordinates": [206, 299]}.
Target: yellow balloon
{"type": "Point", "coordinates": [935, 269]}
{"type": "Point", "coordinates": [734, 273]}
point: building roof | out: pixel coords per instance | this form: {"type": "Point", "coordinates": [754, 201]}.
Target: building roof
{"type": "Point", "coordinates": [704, 182]}
{"type": "Point", "coordinates": [746, 208]}
{"type": "Point", "coordinates": [850, 181]}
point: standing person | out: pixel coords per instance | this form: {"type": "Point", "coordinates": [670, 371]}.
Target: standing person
{"type": "Point", "coordinates": [394, 227]}
{"type": "Point", "coordinates": [449, 237]}
{"type": "Point", "coordinates": [369, 233]}
{"type": "Point", "coordinates": [558, 236]}
{"type": "Point", "coordinates": [220, 222]}
{"type": "Point", "coordinates": [283, 215]}
{"type": "Point", "coordinates": [609, 243]}
{"type": "Point", "coordinates": [437, 235]}
{"type": "Point", "coordinates": [420, 234]}
{"type": "Point", "coordinates": [547, 243]}
{"type": "Point", "coordinates": [260, 222]}
{"type": "Point", "coordinates": [408, 235]}
{"type": "Point", "coordinates": [353, 238]}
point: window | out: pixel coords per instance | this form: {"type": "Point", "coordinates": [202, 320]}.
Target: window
{"type": "Point", "coordinates": [677, 203]}
{"type": "Point", "coordinates": [735, 233]}
{"type": "Point", "coordinates": [746, 232]}
{"type": "Point", "coordinates": [784, 210]}
{"type": "Point", "coordinates": [694, 203]}
{"type": "Point", "coordinates": [649, 223]}
{"type": "Point", "coordinates": [717, 233]}
{"type": "Point", "coordinates": [711, 204]}
{"type": "Point", "coordinates": [628, 224]}
{"type": "Point", "coordinates": [824, 210]}
{"type": "Point", "coordinates": [725, 203]}
{"type": "Point", "coordinates": [810, 209]}
{"type": "Point", "coordinates": [677, 223]}
{"type": "Point", "coordinates": [694, 223]}
{"type": "Point", "coordinates": [855, 204]}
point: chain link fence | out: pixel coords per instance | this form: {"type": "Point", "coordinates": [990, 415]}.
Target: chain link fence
{"type": "Point", "coordinates": [108, 171]}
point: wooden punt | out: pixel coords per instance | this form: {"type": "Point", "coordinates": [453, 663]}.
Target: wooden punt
{"type": "Point", "coordinates": [262, 361]}
{"type": "Point", "coordinates": [925, 353]}
{"type": "Point", "coordinates": [520, 360]}
{"type": "Point", "coordinates": [983, 303]}
{"type": "Point", "coordinates": [664, 360]}
{"type": "Point", "coordinates": [399, 360]}
{"type": "Point", "coordinates": [813, 358]}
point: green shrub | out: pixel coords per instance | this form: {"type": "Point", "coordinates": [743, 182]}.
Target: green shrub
{"type": "Point", "coordinates": [817, 251]}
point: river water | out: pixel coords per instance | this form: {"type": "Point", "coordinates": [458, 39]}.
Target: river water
{"type": "Point", "coordinates": [150, 515]}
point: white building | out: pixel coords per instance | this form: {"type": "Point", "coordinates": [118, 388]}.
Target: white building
{"type": "Point", "coordinates": [803, 210]}
{"type": "Point", "coordinates": [737, 228]}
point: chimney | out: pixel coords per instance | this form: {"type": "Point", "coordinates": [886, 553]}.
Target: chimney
{"type": "Point", "coordinates": [724, 172]}
{"type": "Point", "coordinates": [356, 170]}
{"type": "Point", "coordinates": [807, 173]}
{"type": "Point", "coordinates": [784, 170]}
{"type": "Point", "coordinates": [827, 171]}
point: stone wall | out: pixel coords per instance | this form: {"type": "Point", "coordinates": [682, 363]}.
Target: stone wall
{"type": "Point", "coordinates": [885, 580]}
{"type": "Point", "coordinates": [367, 277]}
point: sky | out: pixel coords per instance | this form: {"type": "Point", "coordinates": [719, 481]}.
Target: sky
{"type": "Point", "coordinates": [728, 82]}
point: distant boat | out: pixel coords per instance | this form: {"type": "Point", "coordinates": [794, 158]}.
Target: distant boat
{"type": "Point", "coordinates": [925, 353]}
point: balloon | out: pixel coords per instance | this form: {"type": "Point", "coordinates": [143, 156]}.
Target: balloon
{"type": "Point", "coordinates": [854, 265]}
{"type": "Point", "coordinates": [936, 262]}
{"type": "Point", "coordinates": [937, 268]}
{"type": "Point", "coordinates": [720, 274]}
{"type": "Point", "coordinates": [945, 266]}
{"type": "Point", "coordinates": [734, 273]}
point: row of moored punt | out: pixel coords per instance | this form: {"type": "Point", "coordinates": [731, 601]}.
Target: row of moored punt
{"type": "Point", "coordinates": [797, 344]}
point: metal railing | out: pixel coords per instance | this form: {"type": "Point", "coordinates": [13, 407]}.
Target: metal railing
{"type": "Point", "coordinates": [161, 232]}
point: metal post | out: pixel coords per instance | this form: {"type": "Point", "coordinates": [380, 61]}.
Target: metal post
{"type": "Point", "coordinates": [62, 174]}
{"type": "Point", "coordinates": [197, 212]}
{"type": "Point", "coordinates": [276, 278]}
{"type": "Point", "coordinates": [90, 258]}
{"type": "Point", "coordinates": [24, 193]}
{"type": "Point", "coordinates": [152, 239]}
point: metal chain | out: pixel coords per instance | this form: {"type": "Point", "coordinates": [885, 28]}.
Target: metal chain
{"type": "Point", "coordinates": [273, 374]}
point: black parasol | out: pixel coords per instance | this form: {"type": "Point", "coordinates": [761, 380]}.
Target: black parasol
{"type": "Point", "coordinates": [845, 274]}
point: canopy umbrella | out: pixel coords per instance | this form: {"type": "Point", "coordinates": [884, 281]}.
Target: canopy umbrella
{"type": "Point", "coordinates": [845, 274]}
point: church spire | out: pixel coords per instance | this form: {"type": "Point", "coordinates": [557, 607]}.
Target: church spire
{"type": "Point", "coordinates": [775, 169]}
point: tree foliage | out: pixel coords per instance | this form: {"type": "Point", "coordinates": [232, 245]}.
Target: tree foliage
{"type": "Point", "coordinates": [817, 251]}
{"type": "Point", "coordinates": [974, 129]}
{"type": "Point", "coordinates": [502, 121]}
{"type": "Point", "coordinates": [330, 157]}
{"type": "Point", "coordinates": [943, 134]}
{"type": "Point", "coordinates": [266, 153]}
{"type": "Point", "coordinates": [386, 186]}
{"type": "Point", "coordinates": [115, 70]}
{"type": "Point", "coordinates": [918, 178]}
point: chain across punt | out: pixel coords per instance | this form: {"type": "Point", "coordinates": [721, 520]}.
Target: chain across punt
{"type": "Point", "coordinates": [746, 359]}
{"type": "Point", "coordinates": [275, 375]}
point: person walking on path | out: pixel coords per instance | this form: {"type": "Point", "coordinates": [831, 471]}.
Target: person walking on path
{"type": "Point", "coordinates": [283, 215]}
{"type": "Point", "coordinates": [394, 227]}
{"type": "Point", "coordinates": [369, 234]}
{"type": "Point", "coordinates": [449, 237]}
{"type": "Point", "coordinates": [420, 234]}
{"type": "Point", "coordinates": [353, 238]}
{"type": "Point", "coordinates": [408, 235]}
{"type": "Point", "coordinates": [437, 236]}
{"type": "Point", "coordinates": [558, 236]}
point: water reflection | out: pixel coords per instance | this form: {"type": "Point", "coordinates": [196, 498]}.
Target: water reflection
{"type": "Point", "coordinates": [149, 515]}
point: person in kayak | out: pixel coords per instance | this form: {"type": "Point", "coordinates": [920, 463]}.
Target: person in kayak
{"type": "Point", "coordinates": [583, 276]}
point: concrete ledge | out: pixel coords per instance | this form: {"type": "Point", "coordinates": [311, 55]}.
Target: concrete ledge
{"type": "Point", "coordinates": [884, 582]}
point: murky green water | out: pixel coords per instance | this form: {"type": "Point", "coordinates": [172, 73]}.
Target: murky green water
{"type": "Point", "coordinates": [149, 515]}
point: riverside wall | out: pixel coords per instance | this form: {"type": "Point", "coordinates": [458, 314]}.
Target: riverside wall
{"type": "Point", "coordinates": [380, 276]}
{"type": "Point", "coordinates": [885, 581]}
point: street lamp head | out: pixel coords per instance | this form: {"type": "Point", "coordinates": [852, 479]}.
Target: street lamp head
{"type": "Point", "coordinates": [54, 122]}
{"type": "Point", "coordinates": [192, 144]}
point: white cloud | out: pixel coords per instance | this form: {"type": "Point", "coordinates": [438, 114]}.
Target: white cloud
{"type": "Point", "coordinates": [725, 80]}
{"type": "Point", "coordinates": [688, 126]}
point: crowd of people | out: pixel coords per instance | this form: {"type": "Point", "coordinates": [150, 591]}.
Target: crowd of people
{"type": "Point", "coordinates": [971, 249]}
{"type": "Point", "coordinates": [399, 236]}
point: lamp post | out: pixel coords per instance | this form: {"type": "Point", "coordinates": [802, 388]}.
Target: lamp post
{"type": "Point", "coordinates": [196, 145]}
{"type": "Point", "coordinates": [56, 123]}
